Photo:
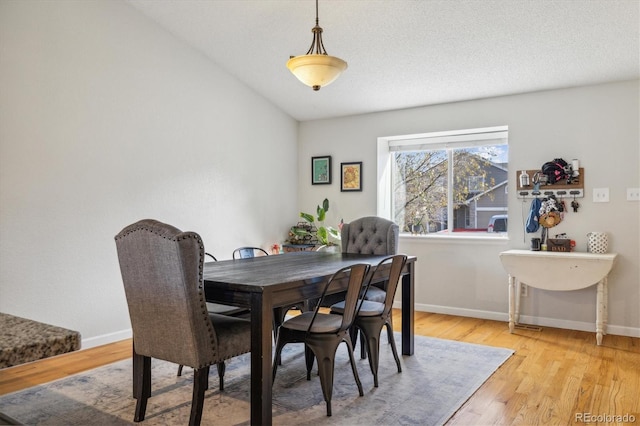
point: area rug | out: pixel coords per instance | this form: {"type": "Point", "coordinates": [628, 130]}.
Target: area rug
{"type": "Point", "coordinates": [435, 382]}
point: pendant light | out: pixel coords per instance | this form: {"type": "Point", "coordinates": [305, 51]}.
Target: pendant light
{"type": "Point", "coordinates": [316, 69]}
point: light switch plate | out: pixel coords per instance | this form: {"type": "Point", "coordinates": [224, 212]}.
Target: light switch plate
{"type": "Point", "coordinates": [600, 195]}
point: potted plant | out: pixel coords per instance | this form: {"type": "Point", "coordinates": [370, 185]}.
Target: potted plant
{"type": "Point", "coordinates": [416, 226]}
{"type": "Point", "coordinates": [320, 233]}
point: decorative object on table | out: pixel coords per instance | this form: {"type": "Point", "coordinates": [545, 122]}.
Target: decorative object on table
{"type": "Point", "coordinates": [535, 244]}
{"type": "Point", "coordinates": [305, 233]}
{"type": "Point", "coordinates": [562, 244]}
{"type": "Point", "coordinates": [302, 233]}
{"type": "Point", "coordinates": [598, 242]}
{"type": "Point", "coordinates": [321, 170]}
{"type": "Point", "coordinates": [351, 176]}
{"type": "Point", "coordinates": [316, 69]}
{"type": "Point", "coordinates": [288, 248]}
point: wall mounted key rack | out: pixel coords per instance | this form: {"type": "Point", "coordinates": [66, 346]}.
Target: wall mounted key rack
{"type": "Point", "coordinates": [562, 189]}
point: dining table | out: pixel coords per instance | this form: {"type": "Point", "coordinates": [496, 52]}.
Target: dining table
{"type": "Point", "coordinates": [267, 282]}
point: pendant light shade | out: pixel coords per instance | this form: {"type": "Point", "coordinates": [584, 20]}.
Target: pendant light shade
{"type": "Point", "coordinates": [316, 69]}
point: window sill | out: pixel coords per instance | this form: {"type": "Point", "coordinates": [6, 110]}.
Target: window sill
{"type": "Point", "coordinates": [501, 238]}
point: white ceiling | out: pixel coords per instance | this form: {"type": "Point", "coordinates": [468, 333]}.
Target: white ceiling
{"type": "Point", "coordinates": [406, 53]}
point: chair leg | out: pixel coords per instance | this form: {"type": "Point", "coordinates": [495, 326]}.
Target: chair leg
{"type": "Point", "coordinates": [308, 359]}
{"type": "Point", "coordinates": [141, 384]}
{"type": "Point", "coordinates": [363, 347]}
{"type": "Point", "coordinates": [373, 348]}
{"type": "Point", "coordinates": [326, 358]}
{"type": "Point", "coordinates": [392, 341]}
{"type": "Point", "coordinates": [221, 369]}
{"type": "Point", "coordinates": [200, 380]}
{"type": "Point", "coordinates": [276, 359]}
{"type": "Point", "coordinates": [180, 370]}
{"type": "Point", "coordinates": [356, 376]}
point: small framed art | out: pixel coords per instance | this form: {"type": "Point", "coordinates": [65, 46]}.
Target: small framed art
{"type": "Point", "coordinates": [351, 176]}
{"type": "Point", "coordinates": [321, 170]}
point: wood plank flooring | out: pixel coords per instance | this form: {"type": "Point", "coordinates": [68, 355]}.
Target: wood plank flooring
{"type": "Point", "coordinates": [556, 376]}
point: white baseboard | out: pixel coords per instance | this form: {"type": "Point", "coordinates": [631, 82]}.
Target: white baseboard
{"type": "Point", "coordinates": [447, 310]}
{"type": "Point", "coordinates": [618, 330]}
{"type": "Point", "coordinates": [104, 339]}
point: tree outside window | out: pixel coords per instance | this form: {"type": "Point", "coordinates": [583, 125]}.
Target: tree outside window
{"type": "Point", "coordinates": [452, 189]}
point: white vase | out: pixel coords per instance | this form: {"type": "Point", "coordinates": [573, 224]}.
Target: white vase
{"type": "Point", "coordinates": [598, 242]}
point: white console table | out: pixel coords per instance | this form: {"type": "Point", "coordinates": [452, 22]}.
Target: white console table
{"type": "Point", "coordinates": [558, 271]}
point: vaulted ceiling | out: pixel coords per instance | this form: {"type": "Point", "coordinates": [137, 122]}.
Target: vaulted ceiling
{"type": "Point", "coordinates": [407, 53]}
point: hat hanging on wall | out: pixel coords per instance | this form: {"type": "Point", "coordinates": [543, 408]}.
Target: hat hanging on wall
{"type": "Point", "coordinates": [549, 220]}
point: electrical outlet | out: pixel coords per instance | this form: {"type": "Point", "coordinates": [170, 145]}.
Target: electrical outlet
{"type": "Point", "coordinates": [633, 194]}
{"type": "Point", "coordinates": [600, 195]}
{"type": "Point", "coordinates": [523, 290]}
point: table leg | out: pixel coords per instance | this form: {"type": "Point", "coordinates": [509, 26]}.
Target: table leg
{"type": "Point", "coordinates": [408, 310]}
{"type": "Point", "coordinates": [605, 300]}
{"type": "Point", "coordinates": [599, 313]}
{"type": "Point", "coordinates": [512, 299]}
{"type": "Point", "coordinates": [261, 326]}
{"type": "Point", "coordinates": [518, 286]}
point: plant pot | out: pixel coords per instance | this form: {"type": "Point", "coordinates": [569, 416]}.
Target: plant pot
{"type": "Point", "coordinates": [329, 248]}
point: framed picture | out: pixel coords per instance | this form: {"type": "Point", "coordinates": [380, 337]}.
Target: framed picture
{"type": "Point", "coordinates": [321, 170]}
{"type": "Point", "coordinates": [351, 176]}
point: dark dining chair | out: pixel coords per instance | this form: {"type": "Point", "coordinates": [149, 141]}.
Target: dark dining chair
{"type": "Point", "coordinates": [371, 235]}
{"type": "Point", "coordinates": [373, 316]}
{"type": "Point", "coordinates": [162, 273]}
{"type": "Point", "coordinates": [248, 252]}
{"type": "Point", "coordinates": [280, 312]}
{"type": "Point", "coordinates": [322, 332]}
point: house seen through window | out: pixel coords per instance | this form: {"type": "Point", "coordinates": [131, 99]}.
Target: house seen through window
{"type": "Point", "coordinates": [445, 182]}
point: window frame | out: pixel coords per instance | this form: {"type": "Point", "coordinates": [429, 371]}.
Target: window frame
{"type": "Point", "coordinates": [388, 145]}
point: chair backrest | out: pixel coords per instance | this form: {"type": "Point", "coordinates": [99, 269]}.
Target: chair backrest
{"type": "Point", "coordinates": [212, 257]}
{"type": "Point", "coordinates": [397, 262]}
{"type": "Point", "coordinates": [248, 252]}
{"type": "Point", "coordinates": [161, 269]}
{"type": "Point", "coordinates": [357, 274]}
{"type": "Point", "coordinates": [370, 235]}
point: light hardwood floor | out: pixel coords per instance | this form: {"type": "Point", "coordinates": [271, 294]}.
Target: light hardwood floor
{"type": "Point", "coordinates": [555, 377]}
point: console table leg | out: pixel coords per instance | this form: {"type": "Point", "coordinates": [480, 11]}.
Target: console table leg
{"type": "Point", "coordinates": [518, 292]}
{"type": "Point", "coordinates": [606, 305]}
{"type": "Point", "coordinates": [600, 313]}
{"type": "Point", "coordinates": [512, 297]}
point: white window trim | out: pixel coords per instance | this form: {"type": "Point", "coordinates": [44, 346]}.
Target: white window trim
{"type": "Point", "coordinates": [434, 140]}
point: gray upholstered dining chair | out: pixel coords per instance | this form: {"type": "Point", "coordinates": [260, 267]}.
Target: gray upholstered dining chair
{"type": "Point", "coordinates": [371, 235]}
{"type": "Point", "coordinates": [162, 273]}
{"type": "Point", "coordinates": [221, 309]}
{"type": "Point", "coordinates": [323, 332]}
{"type": "Point", "coordinates": [373, 316]}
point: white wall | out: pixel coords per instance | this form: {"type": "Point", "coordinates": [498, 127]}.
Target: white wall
{"type": "Point", "coordinates": [105, 119]}
{"type": "Point", "coordinates": [599, 125]}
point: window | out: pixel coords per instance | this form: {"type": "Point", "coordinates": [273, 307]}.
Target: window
{"type": "Point", "coordinates": [445, 182]}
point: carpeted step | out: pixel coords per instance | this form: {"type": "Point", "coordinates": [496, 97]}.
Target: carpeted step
{"type": "Point", "coordinates": [23, 340]}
